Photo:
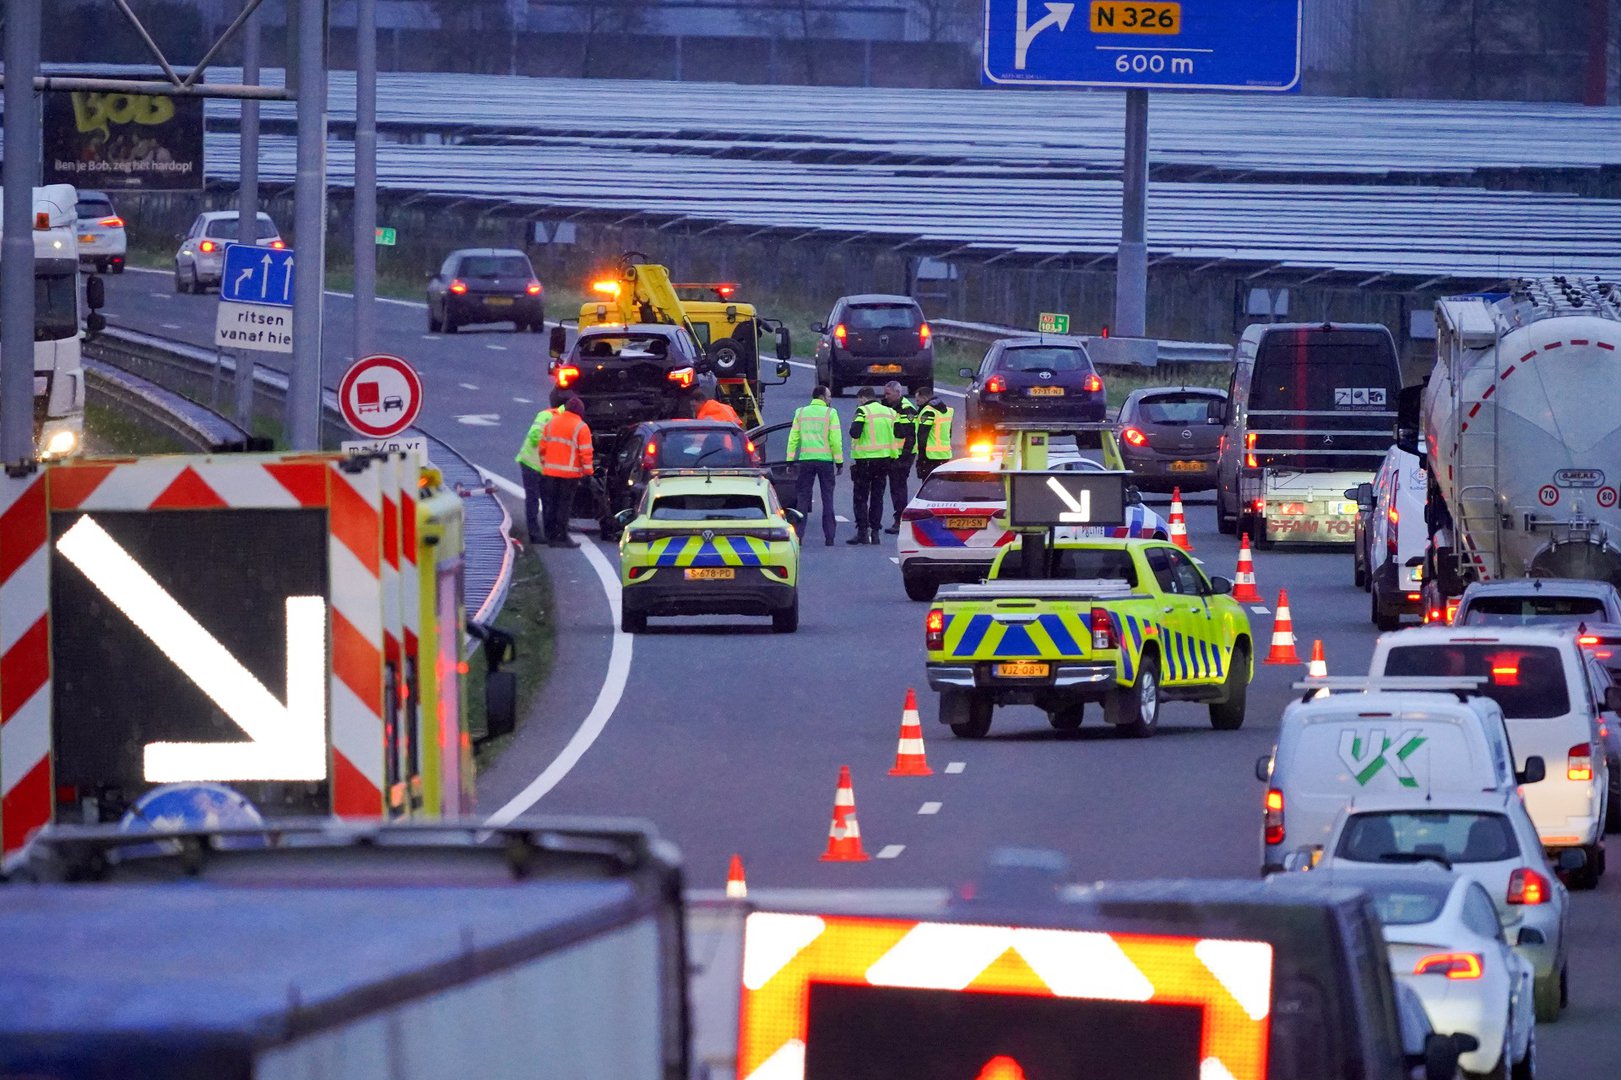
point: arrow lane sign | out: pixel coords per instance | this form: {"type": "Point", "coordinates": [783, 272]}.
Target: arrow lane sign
{"type": "Point", "coordinates": [1057, 15]}
{"type": "Point", "coordinates": [287, 277]}
{"type": "Point", "coordinates": [285, 742]}
{"type": "Point", "coordinates": [240, 278]}
{"type": "Point", "coordinates": [1079, 513]}
{"type": "Point", "coordinates": [264, 278]}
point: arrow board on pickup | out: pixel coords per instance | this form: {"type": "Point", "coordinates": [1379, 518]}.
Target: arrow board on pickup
{"type": "Point", "coordinates": [1040, 500]}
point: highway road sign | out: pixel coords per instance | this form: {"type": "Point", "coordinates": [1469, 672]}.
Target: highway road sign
{"type": "Point", "coordinates": [1047, 499]}
{"type": "Point", "coordinates": [263, 327]}
{"type": "Point", "coordinates": [1152, 44]}
{"type": "Point", "coordinates": [1053, 322]}
{"type": "Point", "coordinates": [380, 396]}
{"type": "Point", "coordinates": [386, 237]}
{"type": "Point", "coordinates": [257, 275]}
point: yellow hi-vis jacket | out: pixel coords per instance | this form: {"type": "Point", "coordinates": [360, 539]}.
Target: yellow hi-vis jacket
{"type": "Point", "coordinates": [815, 435]}
{"type": "Point", "coordinates": [872, 433]}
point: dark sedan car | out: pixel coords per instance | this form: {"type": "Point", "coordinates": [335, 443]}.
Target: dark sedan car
{"type": "Point", "coordinates": [671, 444]}
{"type": "Point", "coordinates": [872, 339]}
{"type": "Point", "coordinates": [1028, 379]}
{"type": "Point", "coordinates": [1170, 435]}
{"type": "Point", "coordinates": [485, 285]}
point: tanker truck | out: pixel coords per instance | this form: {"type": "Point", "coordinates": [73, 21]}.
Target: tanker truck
{"type": "Point", "coordinates": [1520, 423]}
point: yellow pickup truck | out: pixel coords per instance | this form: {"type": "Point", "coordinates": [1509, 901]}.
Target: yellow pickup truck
{"type": "Point", "coordinates": [1128, 623]}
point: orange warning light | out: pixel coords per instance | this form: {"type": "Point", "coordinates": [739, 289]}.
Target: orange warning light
{"type": "Point", "coordinates": [1001, 1067]}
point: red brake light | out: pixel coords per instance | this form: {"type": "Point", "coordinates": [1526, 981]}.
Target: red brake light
{"type": "Point", "coordinates": [206, 246]}
{"type": "Point", "coordinates": [1454, 965]}
{"type": "Point", "coordinates": [458, 286]}
{"type": "Point", "coordinates": [1134, 437]}
{"type": "Point", "coordinates": [278, 243]}
{"type": "Point", "coordinates": [725, 291]}
{"type": "Point", "coordinates": [1093, 384]}
{"type": "Point", "coordinates": [934, 629]}
{"type": "Point", "coordinates": [1249, 445]}
{"type": "Point", "coordinates": [1273, 818]}
{"type": "Point", "coordinates": [650, 454]}
{"type": "Point", "coordinates": [1104, 635]}
{"type": "Point", "coordinates": [1452, 609]}
{"type": "Point", "coordinates": [748, 445]}
{"type": "Point", "coordinates": [840, 334]}
{"type": "Point", "coordinates": [533, 288]}
{"type": "Point", "coordinates": [112, 222]}
{"type": "Point", "coordinates": [1579, 764]}
{"type": "Point", "coordinates": [1526, 886]}
{"type": "Point", "coordinates": [682, 377]}
{"type": "Point", "coordinates": [1587, 639]}
{"type": "Point", "coordinates": [995, 384]}
{"type": "Point", "coordinates": [923, 336]}
{"type": "Point", "coordinates": [566, 373]}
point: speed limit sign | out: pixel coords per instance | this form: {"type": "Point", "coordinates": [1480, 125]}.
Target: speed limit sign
{"type": "Point", "coordinates": [1606, 497]}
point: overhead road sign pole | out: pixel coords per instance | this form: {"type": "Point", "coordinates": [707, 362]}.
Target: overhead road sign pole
{"type": "Point", "coordinates": [303, 424]}
{"type": "Point", "coordinates": [248, 204]}
{"type": "Point", "coordinates": [365, 207]}
{"type": "Point", "coordinates": [1131, 265]}
{"type": "Point", "coordinates": [22, 123]}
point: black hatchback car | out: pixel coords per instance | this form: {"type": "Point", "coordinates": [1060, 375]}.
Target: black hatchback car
{"type": "Point", "coordinates": [672, 444]}
{"type": "Point", "coordinates": [1170, 436]}
{"type": "Point", "coordinates": [485, 285]}
{"type": "Point", "coordinates": [874, 338]}
{"type": "Point", "coordinates": [1024, 379]}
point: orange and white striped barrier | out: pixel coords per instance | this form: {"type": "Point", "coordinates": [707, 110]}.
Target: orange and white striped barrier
{"type": "Point", "coordinates": [1244, 580]}
{"type": "Point", "coordinates": [910, 759]}
{"type": "Point", "coordinates": [737, 887]}
{"type": "Point", "coordinates": [1179, 522]}
{"type": "Point", "coordinates": [844, 834]}
{"type": "Point", "coordinates": [1283, 634]}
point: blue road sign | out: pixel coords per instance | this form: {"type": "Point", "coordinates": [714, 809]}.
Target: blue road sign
{"type": "Point", "coordinates": [1186, 45]}
{"type": "Point", "coordinates": [257, 275]}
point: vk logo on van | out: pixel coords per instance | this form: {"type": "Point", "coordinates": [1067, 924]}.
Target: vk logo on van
{"type": "Point", "coordinates": [1367, 757]}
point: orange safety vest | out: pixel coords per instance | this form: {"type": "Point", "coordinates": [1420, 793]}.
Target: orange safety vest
{"type": "Point", "coordinates": [718, 410]}
{"type": "Point", "coordinates": [568, 447]}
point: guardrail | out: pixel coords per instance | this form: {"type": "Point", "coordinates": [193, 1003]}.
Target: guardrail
{"type": "Point", "coordinates": [192, 425]}
{"type": "Point", "coordinates": [1108, 351]}
{"type": "Point", "coordinates": [179, 375]}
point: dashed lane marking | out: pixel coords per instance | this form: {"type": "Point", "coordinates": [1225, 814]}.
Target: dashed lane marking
{"type": "Point", "coordinates": [467, 386]}
{"type": "Point", "coordinates": [496, 348]}
{"type": "Point", "coordinates": [956, 767]}
{"type": "Point", "coordinates": [1260, 609]}
{"type": "Point", "coordinates": [896, 559]}
{"type": "Point", "coordinates": [891, 851]}
{"type": "Point", "coordinates": [929, 808]}
{"type": "Point", "coordinates": [170, 326]}
{"type": "Point", "coordinates": [841, 517]}
{"type": "Point", "coordinates": [523, 401]}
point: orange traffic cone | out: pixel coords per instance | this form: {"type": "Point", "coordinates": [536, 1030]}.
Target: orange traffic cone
{"type": "Point", "coordinates": [1244, 581]}
{"type": "Point", "coordinates": [909, 756]}
{"type": "Point", "coordinates": [1283, 634]}
{"type": "Point", "coordinates": [1179, 522]}
{"type": "Point", "coordinates": [736, 887]}
{"type": "Point", "coordinates": [1318, 667]}
{"type": "Point", "coordinates": [844, 835]}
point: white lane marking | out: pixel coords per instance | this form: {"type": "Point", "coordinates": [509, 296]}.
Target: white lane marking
{"type": "Point", "coordinates": [430, 337]}
{"type": "Point", "coordinates": [496, 348]}
{"type": "Point", "coordinates": [419, 304]}
{"type": "Point", "coordinates": [1260, 609]}
{"type": "Point", "coordinates": [956, 767]}
{"type": "Point", "coordinates": [929, 808]}
{"type": "Point", "coordinates": [940, 389]}
{"type": "Point", "coordinates": [896, 559]}
{"type": "Point", "coordinates": [170, 326]}
{"type": "Point", "coordinates": [841, 517]}
{"type": "Point", "coordinates": [480, 419]}
{"type": "Point", "coordinates": [890, 851]}
{"type": "Point", "coordinates": [523, 401]}
{"type": "Point", "coordinates": [161, 295]}
{"type": "Point", "coordinates": [613, 682]}
{"type": "Point", "coordinates": [467, 386]}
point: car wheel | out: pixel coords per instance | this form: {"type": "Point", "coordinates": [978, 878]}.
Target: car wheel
{"type": "Point", "coordinates": [181, 284]}
{"type": "Point", "coordinates": [1545, 995]}
{"type": "Point", "coordinates": [1067, 717]}
{"type": "Point", "coordinates": [786, 621]}
{"type": "Point", "coordinates": [1226, 524]}
{"type": "Point", "coordinates": [725, 358]}
{"type": "Point", "coordinates": [1228, 715]}
{"type": "Point", "coordinates": [968, 714]}
{"type": "Point", "coordinates": [835, 388]}
{"type": "Point", "coordinates": [1134, 710]}
{"type": "Point", "coordinates": [632, 622]}
{"type": "Point", "coordinates": [1380, 619]}
{"type": "Point", "coordinates": [448, 321]}
{"type": "Point", "coordinates": [538, 324]}
{"type": "Point", "coordinates": [1612, 815]}
{"type": "Point", "coordinates": [1526, 1067]}
{"type": "Point", "coordinates": [1255, 525]}
{"type": "Point", "coordinates": [1359, 570]}
{"type": "Point", "coordinates": [435, 324]}
{"type": "Point", "coordinates": [918, 587]}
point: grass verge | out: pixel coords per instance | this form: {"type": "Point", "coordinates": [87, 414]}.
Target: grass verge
{"type": "Point", "coordinates": [108, 431]}
{"type": "Point", "coordinates": [528, 615]}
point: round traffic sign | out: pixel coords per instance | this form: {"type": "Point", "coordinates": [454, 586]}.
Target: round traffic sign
{"type": "Point", "coordinates": [1606, 497]}
{"type": "Point", "coordinates": [1548, 495]}
{"type": "Point", "coordinates": [380, 396]}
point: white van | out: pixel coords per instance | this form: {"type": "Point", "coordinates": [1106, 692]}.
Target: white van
{"type": "Point", "coordinates": [1394, 737]}
{"type": "Point", "coordinates": [1539, 677]}
{"type": "Point", "coordinates": [1390, 556]}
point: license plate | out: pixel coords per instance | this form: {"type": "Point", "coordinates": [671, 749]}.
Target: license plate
{"type": "Point", "coordinates": [1046, 391]}
{"type": "Point", "coordinates": [710, 573]}
{"type": "Point", "coordinates": [499, 301]}
{"type": "Point", "coordinates": [884, 369]}
{"type": "Point", "coordinates": [1022, 671]}
{"type": "Point", "coordinates": [1187, 466]}
{"type": "Point", "coordinates": [87, 238]}
{"type": "Point", "coordinates": [965, 522]}
{"type": "Point", "coordinates": [1342, 508]}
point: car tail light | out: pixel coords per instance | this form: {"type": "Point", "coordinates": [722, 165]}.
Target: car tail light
{"type": "Point", "coordinates": [995, 384]}
{"type": "Point", "coordinates": [278, 244]}
{"type": "Point", "coordinates": [112, 222]}
{"type": "Point", "coordinates": [1454, 965]}
{"type": "Point", "coordinates": [840, 334]}
{"type": "Point", "coordinates": [650, 454]}
{"type": "Point", "coordinates": [1134, 436]}
{"type": "Point", "coordinates": [1093, 384]}
{"type": "Point", "coordinates": [458, 286]}
{"type": "Point", "coordinates": [566, 373]}
{"type": "Point", "coordinates": [1587, 639]}
{"type": "Point", "coordinates": [533, 288]}
{"type": "Point", "coordinates": [751, 450]}
{"type": "Point", "coordinates": [1104, 635]}
{"type": "Point", "coordinates": [682, 377]}
{"type": "Point", "coordinates": [1579, 765]}
{"type": "Point", "coordinates": [923, 336]}
{"type": "Point", "coordinates": [1273, 819]}
{"type": "Point", "coordinates": [1413, 597]}
{"type": "Point", "coordinates": [934, 629]}
{"type": "Point", "coordinates": [1526, 886]}
{"type": "Point", "coordinates": [1394, 517]}
{"type": "Point", "coordinates": [915, 513]}
{"type": "Point", "coordinates": [1249, 447]}
{"type": "Point", "coordinates": [207, 246]}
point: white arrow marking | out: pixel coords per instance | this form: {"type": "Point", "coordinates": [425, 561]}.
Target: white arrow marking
{"type": "Point", "coordinates": [1078, 512]}
{"type": "Point", "coordinates": [287, 277]}
{"type": "Point", "coordinates": [285, 742]}
{"type": "Point", "coordinates": [480, 419]}
{"type": "Point", "coordinates": [240, 278]}
{"type": "Point", "coordinates": [1057, 15]}
{"type": "Point", "coordinates": [264, 281]}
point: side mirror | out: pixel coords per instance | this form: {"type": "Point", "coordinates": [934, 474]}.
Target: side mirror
{"type": "Point", "coordinates": [559, 341]}
{"type": "Point", "coordinates": [1535, 771]}
{"type": "Point", "coordinates": [95, 293]}
{"type": "Point", "coordinates": [1221, 586]}
{"type": "Point", "coordinates": [1612, 699]}
{"type": "Point", "coordinates": [1363, 493]}
{"type": "Point", "coordinates": [818, 328]}
{"type": "Point", "coordinates": [625, 517]}
{"type": "Point", "coordinates": [1572, 860]}
{"type": "Point", "coordinates": [794, 516]}
{"type": "Point", "coordinates": [1263, 768]}
{"type": "Point", "coordinates": [965, 373]}
{"type": "Point", "coordinates": [785, 345]}
{"type": "Point", "coordinates": [1134, 497]}
{"type": "Point", "coordinates": [95, 323]}
{"type": "Point", "coordinates": [1300, 860]}
{"type": "Point", "coordinates": [1409, 404]}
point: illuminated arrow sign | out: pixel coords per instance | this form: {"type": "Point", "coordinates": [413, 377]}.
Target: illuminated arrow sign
{"type": "Point", "coordinates": [1080, 510]}
{"type": "Point", "coordinates": [285, 741]}
{"type": "Point", "coordinates": [1041, 500]}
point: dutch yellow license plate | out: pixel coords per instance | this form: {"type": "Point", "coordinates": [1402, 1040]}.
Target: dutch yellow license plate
{"type": "Point", "coordinates": [499, 301]}
{"type": "Point", "coordinates": [884, 369]}
{"type": "Point", "coordinates": [87, 238]}
{"type": "Point", "coordinates": [1187, 466]}
{"type": "Point", "coordinates": [1123, 17]}
{"type": "Point", "coordinates": [710, 573]}
{"type": "Point", "coordinates": [965, 522]}
{"type": "Point", "coordinates": [1046, 391]}
{"type": "Point", "coordinates": [1022, 671]}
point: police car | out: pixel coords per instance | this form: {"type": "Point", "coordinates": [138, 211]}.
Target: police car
{"type": "Point", "coordinates": [954, 526]}
{"type": "Point", "coordinates": [709, 542]}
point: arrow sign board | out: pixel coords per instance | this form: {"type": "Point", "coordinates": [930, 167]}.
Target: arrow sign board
{"type": "Point", "coordinates": [1040, 500]}
{"type": "Point", "coordinates": [1186, 45]}
{"type": "Point", "coordinates": [192, 646]}
{"type": "Point", "coordinates": [257, 275]}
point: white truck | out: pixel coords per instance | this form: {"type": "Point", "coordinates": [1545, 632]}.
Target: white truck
{"type": "Point", "coordinates": [58, 320]}
{"type": "Point", "coordinates": [344, 951]}
{"type": "Point", "coordinates": [1520, 424]}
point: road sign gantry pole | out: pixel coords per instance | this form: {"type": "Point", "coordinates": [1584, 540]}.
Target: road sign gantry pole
{"type": "Point", "coordinates": [365, 205]}
{"type": "Point", "coordinates": [303, 428]}
{"type": "Point", "coordinates": [1131, 265]}
{"type": "Point", "coordinates": [22, 124]}
{"type": "Point", "coordinates": [248, 204]}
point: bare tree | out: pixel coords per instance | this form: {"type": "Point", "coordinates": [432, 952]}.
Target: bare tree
{"type": "Point", "coordinates": [950, 20]}
{"type": "Point", "coordinates": [806, 20]}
